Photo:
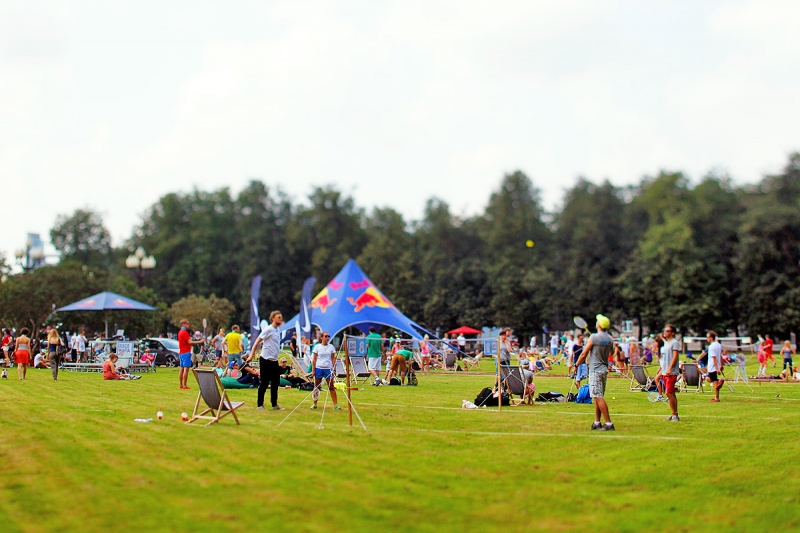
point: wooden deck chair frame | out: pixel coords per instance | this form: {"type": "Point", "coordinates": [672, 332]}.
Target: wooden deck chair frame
{"type": "Point", "coordinates": [514, 383]}
{"type": "Point", "coordinates": [214, 395]}
{"type": "Point", "coordinates": [298, 367]}
{"type": "Point", "coordinates": [690, 373]}
{"type": "Point", "coordinates": [359, 369]}
{"type": "Point", "coordinates": [636, 382]}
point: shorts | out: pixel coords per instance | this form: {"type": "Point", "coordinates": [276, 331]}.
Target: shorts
{"type": "Point", "coordinates": [186, 360]}
{"type": "Point", "coordinates": [398, 363]}
{"type": "Point", "coordinates": [218, 353]}
{"type": "Point", "coordinates": [374, 363]}
{"type": "Point", "coordinates": [323, 373]}
{"type": "Point", "coordinates": [712, 377]}
{"type": "Point", "coordinates": [583, 372]}
{"type": "Point", "coordinates": [597, 384]}
{"type": "Point", "coordinates": [554, 351]}
{"type": "Point", "coordinates": [235, 357]}
{"type": "Point", "coordinates": [197, 358]}
{"type": "Point", "coordinates": [669, 383]}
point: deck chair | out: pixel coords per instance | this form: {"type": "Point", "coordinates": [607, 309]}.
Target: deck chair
{"type": "Point", "coordinates": [469, 362]}
{"type": "Point", "coordinates": [215, 397]}
{"type": "Point", "coordinates": [692, 378]}
{"type": "Point", "coordinates": [300, 369]}
{"type": "Point", "coordinates": [640, 380]}
{"type": "Point", "coordinates": [514, 382]}
{"type": "Point", "coordinates": [450, 360]}
{"type": "Point", "coordinates": [341, 370]}
{"type": "Point", "coordinates": [358, 366]}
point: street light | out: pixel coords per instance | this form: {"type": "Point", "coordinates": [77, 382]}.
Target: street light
{"type": "Point", "coordinates": [30, 257]}
{"type": "Point", "coordinates": [139, 263]}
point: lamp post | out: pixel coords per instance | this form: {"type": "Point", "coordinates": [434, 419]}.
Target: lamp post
{"type": "Point", "coordinates": [30, 257]}
{"type": "Point", "coordinates": [139, 263]}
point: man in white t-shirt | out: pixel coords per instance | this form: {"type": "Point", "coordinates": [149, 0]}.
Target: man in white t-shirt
{"type": "Point", "coordinates": [568, 351]}
{"type": "Point", "coordinates": [462, 342]}
{"type": "Point", "coordinates": [554, 344]}
{"type": "Point", "coordinates": [669, 368]}
{"type": "Point", "coordinates": [323, 365]}
{"type": "Point", "coordinates": [269, 368]}
{"type": "Point", "coordinates": [714, 364]}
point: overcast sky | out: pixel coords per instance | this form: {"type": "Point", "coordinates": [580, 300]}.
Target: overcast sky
{"type": "Point", "coordinates": [112, 104]}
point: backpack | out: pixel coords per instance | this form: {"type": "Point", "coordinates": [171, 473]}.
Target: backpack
{"type": "Point", "coordinates": [412, 379]}
{"type": "Point", "coordinates": [550, 397]}
{"type": "Point", "coordinates": [306, 386]}
{"type": "Point", "coordinates": [583, 395]}
{"type": "Point", "coordinates": [395, 381]}
{"type": "Point", "coordinates": [486, 398]}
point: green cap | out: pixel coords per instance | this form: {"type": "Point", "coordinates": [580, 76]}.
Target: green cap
{"type": "Point", "coordinates": [603, 321]}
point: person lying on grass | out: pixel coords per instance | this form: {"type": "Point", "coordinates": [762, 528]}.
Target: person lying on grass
{"type": "Point", "coordinates": [110, 371]}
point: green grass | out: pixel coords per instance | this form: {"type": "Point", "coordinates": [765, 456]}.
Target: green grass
{"type": "Point", "coordinates": [73, 459]}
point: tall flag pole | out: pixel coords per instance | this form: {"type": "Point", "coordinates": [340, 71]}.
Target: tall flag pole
{"type": "Point", "coordinates": [255, 322]}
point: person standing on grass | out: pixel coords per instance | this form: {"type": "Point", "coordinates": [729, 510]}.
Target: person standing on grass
{"type": "Point", "coordinates": [185, 343]}
{"type": "Point", "coordinates": [219, 344]}
{"type": "Point", "coordinates": [235, 346]}
{"type": "Point", "coordinates": [768, 344]}
{"type": "Point", "coordinates": [787, 352]}
{"type": "Point", "coordinates": [54, 342]}
{"type": "Point", "coordinates": [322, 364]}
{"type": "Point", "coordinates": [669, 368]}
{"type": "Point", "coordinates": [374, 348]}
{"type": "Point", "coordinates": [598, 350]}
{"type": "Point", "coordinates": [268, 365]}
{"type": "Point", "coordinates": [22, 352]}
{"type": "Point", "coordinates": [714, 364]}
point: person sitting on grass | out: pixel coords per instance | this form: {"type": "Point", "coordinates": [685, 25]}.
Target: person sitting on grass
{"type": "Point", "coordinates": [287, 373]}
{"type": "Point", "coordinates": [40, 361]}
{"type": "Point", "coordinates": [250, 376]}
{"type": "Point", "coordinates": [110, 370]}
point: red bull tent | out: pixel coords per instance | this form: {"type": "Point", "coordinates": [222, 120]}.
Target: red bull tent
{"type": "Point", "coordinates": [352, 300]}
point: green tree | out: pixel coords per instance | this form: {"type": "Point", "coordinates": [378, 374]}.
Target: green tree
{"type": "Point", "coordinates": [195, 308]}
{"type": "Point", "coordinates": [82, 237]}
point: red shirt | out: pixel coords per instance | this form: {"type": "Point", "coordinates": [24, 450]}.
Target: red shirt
{"type": "Point", "coordinates": [768, 346]}
{"type": "Point", "coordinates": [183, 341]}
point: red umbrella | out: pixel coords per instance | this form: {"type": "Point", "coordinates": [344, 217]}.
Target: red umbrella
{"type": "Point", "coordinates": [465, 330]}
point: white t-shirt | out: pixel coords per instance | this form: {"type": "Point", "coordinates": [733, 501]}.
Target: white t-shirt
{"type": "Point", "coordinates": [569, 346]}
{"type": "Point", "coordinates": [667, 354]}
{"type": "Point", "coordinates": [79, 342]}
{"type": "Point", "coordinates": [626, 349]}
{"type": "Point", "coordinates": [554, 342]}
{"type": "Point", "coordinates": [325, 353]}
{"type": "Point", "coordinates": [462, 341]}
{"type": "Point", "coordinates": [271, 340]}
{"type": "Point", "coordinates": [37, 359]}
{"type": "Point", "coordinates": [714, 355]}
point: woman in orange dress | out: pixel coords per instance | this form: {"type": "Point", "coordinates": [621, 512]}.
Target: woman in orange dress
{"type": "Point", "coordinates": [22, 352]}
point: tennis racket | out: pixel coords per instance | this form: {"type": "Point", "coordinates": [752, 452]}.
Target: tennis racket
{"type": "Point", "coordinates": [581, 323]}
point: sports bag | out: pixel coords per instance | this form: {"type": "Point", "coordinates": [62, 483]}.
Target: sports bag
{"type": "Point", "coordinates": [583, 395]}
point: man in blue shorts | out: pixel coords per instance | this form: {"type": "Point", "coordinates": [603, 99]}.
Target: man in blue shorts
{"type": "Point", "coordinates": [185, 343]}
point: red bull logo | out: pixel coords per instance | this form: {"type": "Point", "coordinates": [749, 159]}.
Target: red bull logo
{"type": "Point", "coordinates": [335, 285]}
{"type": "Point", "coordinates": [122, 303]}
{"type": "Point", "coordinates": [87, 303]}
{"type": "Point", "coordinates": [369, 298]}
{"type": "Point", "coordinates": [360, 285]}
{"type": "Point", "coordinates": [322, 301]}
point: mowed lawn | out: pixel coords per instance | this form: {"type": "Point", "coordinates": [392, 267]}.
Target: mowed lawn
{"type": "Point", "coordinates": [73, 459]}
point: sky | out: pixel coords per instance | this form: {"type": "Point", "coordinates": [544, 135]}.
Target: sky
{"type": "Point", "coordinates": [112, 104]}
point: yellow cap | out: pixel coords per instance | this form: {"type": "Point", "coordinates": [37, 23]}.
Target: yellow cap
{"type": "Point", "coordinates": [603, 321]}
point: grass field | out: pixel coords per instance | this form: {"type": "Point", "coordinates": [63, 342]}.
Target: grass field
{"type": "Point", "coordinates": [73, 459]}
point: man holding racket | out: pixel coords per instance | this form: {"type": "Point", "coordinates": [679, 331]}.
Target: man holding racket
{"type": "Point", "coordinates": [598, 349]}
{"type": "Point", "coordinates": [669, 369]}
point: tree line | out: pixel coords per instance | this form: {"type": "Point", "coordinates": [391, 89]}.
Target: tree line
{"type": "Point", "coordinates": [698, 255]}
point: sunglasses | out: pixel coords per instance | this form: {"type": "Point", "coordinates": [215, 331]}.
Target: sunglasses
{"type": "Point", "coordinates": [669, 331]}
{"type": "Point", "coordinates": [326, 336]}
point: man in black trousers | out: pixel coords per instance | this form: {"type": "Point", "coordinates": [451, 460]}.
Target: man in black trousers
{"type": "Point", "coordinates": [268, 362]}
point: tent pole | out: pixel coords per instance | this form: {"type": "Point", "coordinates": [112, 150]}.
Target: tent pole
{"type": "Point", "coordinates": [347, 370]}
{"type": "Point", "coordinates": [499, 383]}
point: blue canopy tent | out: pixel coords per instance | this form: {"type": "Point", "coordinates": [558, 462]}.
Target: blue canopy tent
{"type": "Point", "coordinates": [106, 301]}
{"type": "Point", "coordinates": [352, 300]}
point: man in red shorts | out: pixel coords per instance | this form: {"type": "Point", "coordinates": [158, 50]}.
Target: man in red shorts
{"type": "Point", "coordinates": [669, 368]}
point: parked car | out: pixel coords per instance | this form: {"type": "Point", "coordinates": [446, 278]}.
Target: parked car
{"type": "Point", "coordinates": [165, 350]}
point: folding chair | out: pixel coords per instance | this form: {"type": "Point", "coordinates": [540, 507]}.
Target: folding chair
{"type": "Point", "coordinates": [300, 369]}
{"type": "Point", "coordinates": [515, 384]}
{"type": "Point", "coordinates": [341, 371]}
{"type": "Point", "coordinates": [640, 380]}
{"type": "Point", "coordinates": [358, 366]}
{"type": "Point", "coordinates": [449, 360]}
{"type": "Point", "coordinates": [469, 362]}
{"type": "Point", "coordinates": [215, 397]}
{"type": "Point", "coordinates": [691, 377]}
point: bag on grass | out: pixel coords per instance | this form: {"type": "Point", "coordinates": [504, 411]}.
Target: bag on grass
{"type": "Point", "coordinates": [306, 386]}
{"type": "Point", "coordinates": [412, 379]}
{"type": "Point", "coordinates": [583, 395]}
{"type": "Point", "coordinates": [482, 397]}
{"type": "Point", "coordinates": [395, 381]}
{"type": "Point", "coordinates": [549, 396]}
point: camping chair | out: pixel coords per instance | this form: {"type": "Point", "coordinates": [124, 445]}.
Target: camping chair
{"type": "Point", "coordinates": [640, 380]}
{"type": "Point", "coordinates": [514, 383]}
{"type": "Point", "coordinates": [469, 362]}
{"type": "Point", "coordinates": [341, 370]}
{"type": "Point", "coordinates": [214, 396]}
{"type": "Point", "coordinates": [300, 369]}
{"type": "Point", "coordinates": [691, 377]}
{"type": "Point", "coordinates": [450, 360]}
{"type": "Point", "coordinates": [358, 365]}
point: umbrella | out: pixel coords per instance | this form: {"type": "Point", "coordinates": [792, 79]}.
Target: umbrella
{"type": "Point", "coordinates": [464, 330]}
{"type": "Point", "coordinates": [106, 301]}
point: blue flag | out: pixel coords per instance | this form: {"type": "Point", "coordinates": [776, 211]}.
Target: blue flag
{"type": "Point", "coordinates": [305, 309]}
{"type": "Point", "coordinates": [255, 322]}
